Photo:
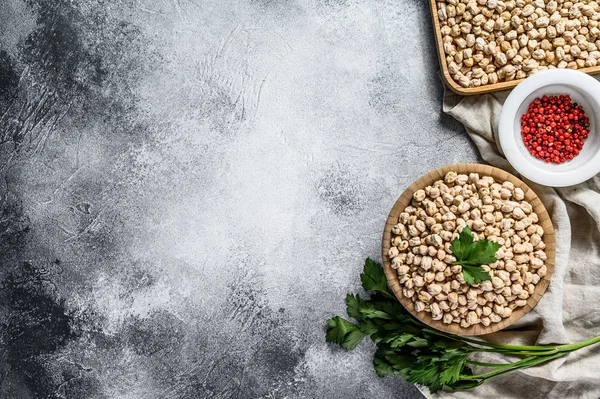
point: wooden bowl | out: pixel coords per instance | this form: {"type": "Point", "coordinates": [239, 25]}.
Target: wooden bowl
{"type": "Point", "coordinates": [500, 176]}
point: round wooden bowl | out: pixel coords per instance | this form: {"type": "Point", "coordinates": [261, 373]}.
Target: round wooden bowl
{"type": "Point", "coordinates": [500, 176]}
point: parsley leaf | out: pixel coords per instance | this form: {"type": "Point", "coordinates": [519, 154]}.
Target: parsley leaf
{"type": "Point", "coordinates": [399, 340]}
{"type": "Point", "coordinates": [483, 252]}
{"type": "Point", "coordinates": [471, 255]}
{"type": "Point", "coordinates": [426, 371]}
{"type": "Point", "coordinates": [344, 333]}
{"type": "Point", "coordinates": [373, 278]}
{"type": "Point", "coordinates": [382, 366]}
{"type": "Point", "coordinates": [418, 342]}
{"type": "Point", "coordinates": [389, 361]}
{"type": "Point", "coordinates": [475, 274]}
{"type": "Point", "coordinates": [353, 305]}
{"type": "Point", "coordinates": [462, 246]}
{"type": "Point", "coordinates": [454, 364]}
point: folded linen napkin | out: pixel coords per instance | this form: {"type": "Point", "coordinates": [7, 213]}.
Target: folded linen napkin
{"type": "Point", "coordinates": [569, 311]}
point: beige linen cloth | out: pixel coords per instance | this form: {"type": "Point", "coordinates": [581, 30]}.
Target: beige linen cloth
{"type": "Point", "coordinates": [569, 311]}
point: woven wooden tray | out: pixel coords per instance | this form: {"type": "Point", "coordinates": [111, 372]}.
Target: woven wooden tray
{"type": "Point", "coordinates": [455, 87]}
{"type": "Point", "coordinates": [500, 176]}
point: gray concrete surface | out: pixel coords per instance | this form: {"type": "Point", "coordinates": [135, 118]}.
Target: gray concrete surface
{"type": "Point", "coordinates": [189, 189]}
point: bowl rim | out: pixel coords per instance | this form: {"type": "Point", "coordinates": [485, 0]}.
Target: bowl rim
{"type": "Point", "coordinates": [484, 170]}
{"type": "Point", "coordinates": [584, 83]}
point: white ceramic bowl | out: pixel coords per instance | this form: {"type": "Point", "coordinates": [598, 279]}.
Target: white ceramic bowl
{"type": "Point", "coordinates": [584, 90]}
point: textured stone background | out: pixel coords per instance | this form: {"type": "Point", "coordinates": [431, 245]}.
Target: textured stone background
{"type": "Point", "coordinates": [189, 188]}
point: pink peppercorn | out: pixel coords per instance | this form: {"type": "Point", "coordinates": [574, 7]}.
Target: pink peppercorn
{"type": "Point", "coordinates": [554, 128]}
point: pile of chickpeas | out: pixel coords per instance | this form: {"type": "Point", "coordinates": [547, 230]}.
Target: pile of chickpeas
{"type": "Point", "coordinates": [496, 211]}
{"type": "Point", "coordinates": [491, 41]}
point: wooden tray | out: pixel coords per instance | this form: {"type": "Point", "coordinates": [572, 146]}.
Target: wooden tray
{"type": "Point", "coordinates": [499, 175]}
{"type": "Point", "coordinates": [455, 87]}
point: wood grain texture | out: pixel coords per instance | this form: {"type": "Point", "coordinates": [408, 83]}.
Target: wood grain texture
{"type": "Point", "coordinates": [500, 176]}
{"type": "Point", "coordinates": [454, 86]}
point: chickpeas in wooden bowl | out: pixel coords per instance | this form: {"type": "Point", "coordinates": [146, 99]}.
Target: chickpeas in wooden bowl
{"type": "Point", "coordinates": [468, 249]}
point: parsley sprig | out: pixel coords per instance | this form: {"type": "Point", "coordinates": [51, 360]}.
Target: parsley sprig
{"type": "Point", "coordinates": [471, 255]}
{"type": "Point", "coordinates": [423, 355]}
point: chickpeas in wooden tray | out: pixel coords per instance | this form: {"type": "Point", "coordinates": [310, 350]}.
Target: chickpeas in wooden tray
{"type": "Point", "coordinates": [488, 45]}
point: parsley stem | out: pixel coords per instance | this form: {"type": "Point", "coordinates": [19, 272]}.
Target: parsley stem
{"type": "Point", "coordinates": [483, 364]}
{"type": "Point", "coordinates": [517, 364]}
{"type": "Point", "coordinates": [549, 351]}
{"type": "Point", "coordinates": [541, 348]}
{"type": "Point", "coordinates": [525, 363]}
{"type": "Point", "coordinates": [578, 345]}
{"type": "Point", "coordinates": [537, 350]}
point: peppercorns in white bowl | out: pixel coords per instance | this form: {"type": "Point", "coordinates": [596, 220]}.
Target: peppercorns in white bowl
{"type": "Point", "coordinates": [571, 149]}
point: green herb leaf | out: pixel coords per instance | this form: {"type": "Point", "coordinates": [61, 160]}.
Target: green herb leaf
{"type": "Point", "coordinates": [471, 255]}
{"type": "Point", "coordinates": [393, 308]}
{"type": "Point", "coordinates": [462, 385]}
{"type": "Point", "coordinates": [373, 278]}
{"type": "Point", "coordinates": [353, 339]}
{"type": "Point", "coordinates": [426, 371]}
{"type": "Point", "coordinates": [368, 327]}
{"type": "Point", "coordinates": [362, 310]}
{"type": "Point", "coordinates": [447, 343]}
{"type": "Point", "coordinates": [353, 305]}
{"type": "Point", "coordinates": [382, 366]}
{"type": "Point", "coordinates": [344, 333]}
{"type": "Point", "coordinates": [462, 246]}
{"type": "Point", "coordinates": [389, 361]}
{"type": "Point", "coordinates": [418, 342]}
{"type": "Point", "coordinates": [475, 274]}
{"type": "Point", "coordinates": [454, 362]}
{"type": "Point", "coordinates": [394, 339]}
{"type": "Point", "coordinates": [401, 362]}
{"type": "Point", "coordinates": [370, 311]}
{"type": "Point", "coordinates": [483, 253]}
{"type": "Point", "coordinates": [400, 340]}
